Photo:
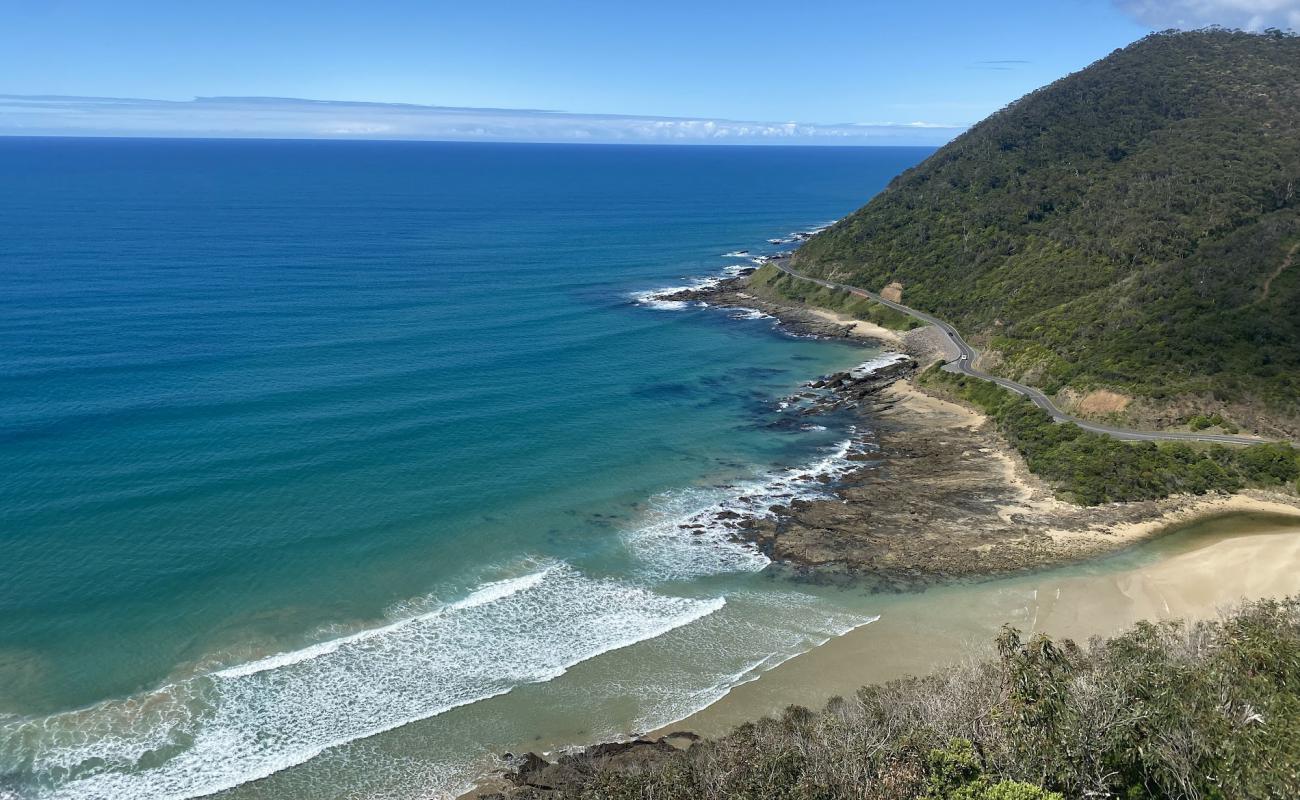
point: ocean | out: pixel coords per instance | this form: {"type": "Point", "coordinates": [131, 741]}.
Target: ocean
{"type": "Point", "coordinates": [335, 469]}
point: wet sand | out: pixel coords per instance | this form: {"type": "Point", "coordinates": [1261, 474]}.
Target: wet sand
{"type": "Point", "coordinates": [1193, 572]}
{"type": "Point", "coordinates": [947, 506]}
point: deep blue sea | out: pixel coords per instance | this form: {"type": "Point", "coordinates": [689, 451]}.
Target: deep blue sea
{"type": "Point", "coordinates": [347, 465]}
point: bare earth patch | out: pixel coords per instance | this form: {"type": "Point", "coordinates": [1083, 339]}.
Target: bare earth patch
{"type": "Point", "coordinates": [1102, 401]}
{"type": "Point", "coordinates": [893, 292]}
{"type": "Point", "coordinates": [1286, 264]}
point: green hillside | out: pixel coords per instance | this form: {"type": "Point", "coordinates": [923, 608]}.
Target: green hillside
{"type": "Point", "coordinates": [1133, 226]}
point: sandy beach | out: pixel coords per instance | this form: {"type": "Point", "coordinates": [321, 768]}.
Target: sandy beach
{"type": "Point", "coordinates": [860, 328]}
{"type": "Point", "coordinates": [949, 535]}
{"type": "Point", "coordinates": [1197, 570]}
{"type": "Point", "coordinates": [951, 510]}
{"type": "Point", "coordinates": [1193, 572]}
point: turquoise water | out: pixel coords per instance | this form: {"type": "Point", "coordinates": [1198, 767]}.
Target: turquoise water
{"type": "Point", "coordinates": [308, 449]}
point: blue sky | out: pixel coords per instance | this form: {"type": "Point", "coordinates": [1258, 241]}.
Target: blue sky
{"type": "Point", "coordinates": [915, 71]}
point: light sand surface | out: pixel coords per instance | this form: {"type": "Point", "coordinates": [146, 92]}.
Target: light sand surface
{"type": "Point", "coordinates": [858, 327]}
{"type": "Point", "coordinates": [935, 408]}
{"type": "Point", "coordinates": [1192, 573]}
{"type": "Point", "coordinates": [1188, 510]}
{"type": "Point", "coordinates": [1037, 499]}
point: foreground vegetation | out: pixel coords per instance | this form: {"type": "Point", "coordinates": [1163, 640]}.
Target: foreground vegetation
{"type": "Point", "coordinates": [1134, 226]}
{"type": "Point", "coordinates": [1169, 710]}
{"type": "Point", "coordinates": [772, 284]}
{"type": "Point", "coordinates": [1091, 468]}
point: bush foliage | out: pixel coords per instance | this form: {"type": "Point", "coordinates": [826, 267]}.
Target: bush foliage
{"type": "Point", "coordinates": [1135, 225]}
{"type": "Point", "coordinates": [1169, 710]}
{"type": "Point", "coordinates": [770, 282]}
{"type": "Point", "coordinates": [1091, 468]}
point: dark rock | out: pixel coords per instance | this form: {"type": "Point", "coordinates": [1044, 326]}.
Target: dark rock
{"type": "Point", "coordinates": [527, 768]}
{"type": "Point", "coordinates": [572, 771]}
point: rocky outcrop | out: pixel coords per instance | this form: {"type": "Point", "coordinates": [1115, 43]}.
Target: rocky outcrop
{"type": "Point", "coordinates": [851, 388]}
{"type": "Point", "coordinates": [531, 777]}
{"type": "Point", "coordinates": [732, 293]}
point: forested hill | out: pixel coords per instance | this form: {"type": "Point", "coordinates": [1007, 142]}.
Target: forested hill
{"type": "Point", "coordinates": [1133, 226]}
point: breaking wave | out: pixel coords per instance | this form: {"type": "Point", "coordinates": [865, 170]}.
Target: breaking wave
{"type": "Point", "coordinates": [694, 532]}
{"type": "Point", "coordinates": [218, 730]}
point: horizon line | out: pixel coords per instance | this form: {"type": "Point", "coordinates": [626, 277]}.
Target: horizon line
{"type": "Point", "coordinates": [142, 137]}
{"type": "Point", "coordinates": [223, 117]}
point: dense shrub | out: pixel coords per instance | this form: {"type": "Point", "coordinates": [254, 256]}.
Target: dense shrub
{"type": "Point", "coordinates": [1127, 226]}
{"type": "Point", "coordinates": [1091, 468]}
{"type": "Point", "coordinates": [1169, 710]}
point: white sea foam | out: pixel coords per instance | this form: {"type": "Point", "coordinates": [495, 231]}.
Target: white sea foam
{"type": "Point", "coordinates": [868, 368]}
{"type": "Point", "coordinates": [216, 731]}
{"type": "Point", "coordinates": [488, 593]}
{"type": "Point", "coordinates": [499, 590]}
{"type": "Point", "coordinates": [693, 532]}
{"type": "Point", "coordinates": [655, 298]}
{"type": "Point", "coordinates": [797, 623]}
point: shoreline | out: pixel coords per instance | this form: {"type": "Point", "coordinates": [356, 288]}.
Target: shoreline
{"type": "Point", "coordinates": [942, 513]}
{"type": "Point", "coordinates": [1113, 531]}
{"type": "Point", "coordinates": [944, 496]}
{"type": "Point", "coordinates": [1200, 568]}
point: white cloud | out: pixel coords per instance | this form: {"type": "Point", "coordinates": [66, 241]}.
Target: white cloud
{"type": "Point", "coordinates": [314, 119]}
{"type": "Point", "coordinates": [1251, 15]}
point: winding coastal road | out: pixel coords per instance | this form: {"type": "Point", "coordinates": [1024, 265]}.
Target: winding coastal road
{"type": "Point", "coordinates": [965, 364]}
